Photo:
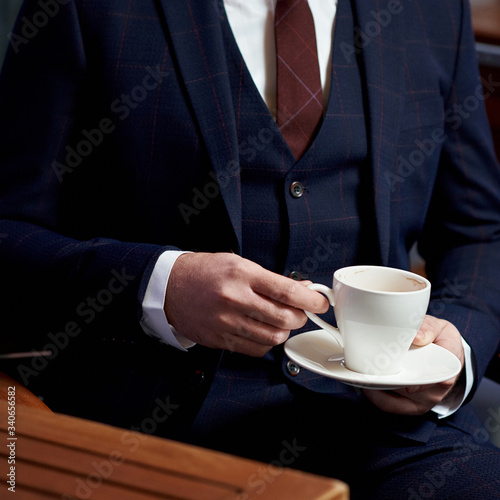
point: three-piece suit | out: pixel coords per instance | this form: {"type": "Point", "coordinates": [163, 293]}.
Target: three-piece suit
{"type": "Point", "coordinates": [132, 128]}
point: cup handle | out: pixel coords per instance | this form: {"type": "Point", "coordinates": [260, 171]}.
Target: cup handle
{"type": "Point", "coordinates": [328, 292]}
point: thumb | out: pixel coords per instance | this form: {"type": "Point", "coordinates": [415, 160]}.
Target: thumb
{"type": "Point", "coordinates": [428, 331]}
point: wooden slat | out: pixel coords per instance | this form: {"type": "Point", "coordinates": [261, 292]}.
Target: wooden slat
{"type": "Point", "coordinates": [56, 454]}
{"type": "Point", "coordinates": [26, 493]}
{"type": "Point", "coordinates": [23, 396]}
{"type": "Point", "coordinates": [59, 483]}
{"type": "Point", "coordinates": [112, 466]}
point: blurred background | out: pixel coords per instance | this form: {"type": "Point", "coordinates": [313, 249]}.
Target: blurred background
{"type": "Point", "coordinates": [8, 13]}
{"type": "Point", "coordinates": [486, 21]}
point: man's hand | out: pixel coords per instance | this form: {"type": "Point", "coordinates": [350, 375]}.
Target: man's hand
{"type": "Point", "coordinates": [223, 301]}
{"type": "Point", "coordinates": [421, 399]}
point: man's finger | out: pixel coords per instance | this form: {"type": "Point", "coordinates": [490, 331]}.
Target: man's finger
{"type": "Point", "coordinates": [428, 331]}
{"type": "Point", "coordinates": [287, 291]}
{"type": "Point", "coordinates": [260, 332]}
{"type": "Point", "coordinates": [243, 345]}
{"type": "Point", "coordinates": [278, 315]}
{"type": "Point", "coordinates": [401, 402]}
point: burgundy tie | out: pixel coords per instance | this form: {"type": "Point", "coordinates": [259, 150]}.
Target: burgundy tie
{"type": "Point", "coordinates": [299, 94]}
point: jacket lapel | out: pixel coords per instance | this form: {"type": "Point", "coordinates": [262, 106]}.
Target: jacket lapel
{"type": "Point", "coordinates": [379, 37]}
{"type": "Point", "coordinates": [195, 30]}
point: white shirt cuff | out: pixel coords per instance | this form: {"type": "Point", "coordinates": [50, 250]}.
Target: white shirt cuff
{"type": "Point", "coordinates": [454, 400]}
{"type": "Point", "coordinates": [154, 321]}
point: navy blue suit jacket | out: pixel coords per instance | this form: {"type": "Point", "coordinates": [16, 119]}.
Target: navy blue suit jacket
{"type": "Point", "coordinates": [115, 116]}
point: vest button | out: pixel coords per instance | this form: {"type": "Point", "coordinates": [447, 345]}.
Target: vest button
{"type": "Point", "coordinates": [296, 189]}
{"type": "Point", "coordinates": [295, 275]}
{"type": "Point", "coordinates": [292, 368]}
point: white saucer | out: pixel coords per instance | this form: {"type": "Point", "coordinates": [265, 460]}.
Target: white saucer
{"type": "Point", "coordinates": [422, 365]}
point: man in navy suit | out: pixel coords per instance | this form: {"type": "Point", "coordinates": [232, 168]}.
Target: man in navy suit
{"type": "Point", "coordinates": [156, 227]}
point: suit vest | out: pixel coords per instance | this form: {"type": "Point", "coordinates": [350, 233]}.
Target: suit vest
{"type": "Point", "coordinates": [305, 218]}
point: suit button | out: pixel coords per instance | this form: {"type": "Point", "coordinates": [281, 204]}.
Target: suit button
{"type": "Point", "coordinates": [296, 189]}
{"type": "Point", "coordinates": [295, 275]}
{"type": "Point", "coordinates": [293, 368]}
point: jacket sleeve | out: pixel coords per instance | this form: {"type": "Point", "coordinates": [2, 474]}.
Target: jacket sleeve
{"type": "Point", "coordinates": [53, 274]}
{"type": "Point", "coordinates": [461, 237]}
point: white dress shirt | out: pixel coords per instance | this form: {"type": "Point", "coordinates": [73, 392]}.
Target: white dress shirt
{"type": "Point", "coordinates": [252, 23]}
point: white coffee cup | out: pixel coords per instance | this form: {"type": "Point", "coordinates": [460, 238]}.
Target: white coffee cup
{"type": "Point", "coordinates": [378, 312]}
